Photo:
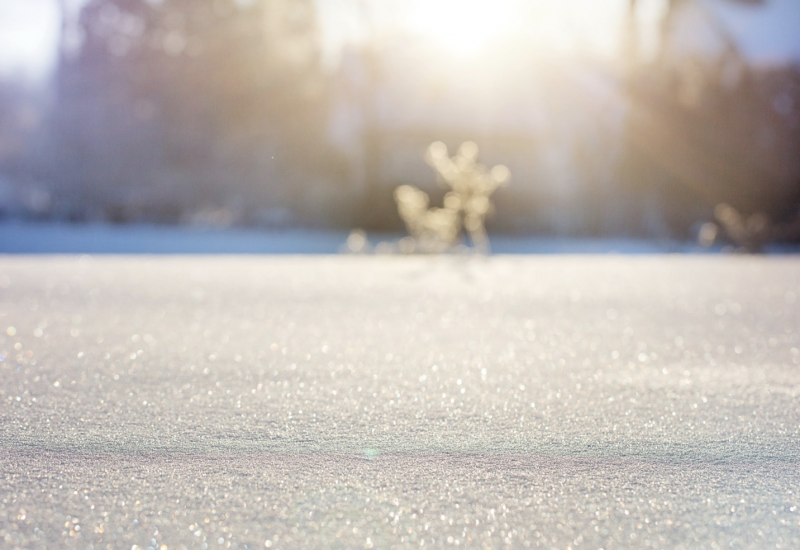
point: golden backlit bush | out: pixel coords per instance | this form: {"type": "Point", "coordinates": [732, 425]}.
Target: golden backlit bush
{"type": "Point", "coordinates": [466, 205]}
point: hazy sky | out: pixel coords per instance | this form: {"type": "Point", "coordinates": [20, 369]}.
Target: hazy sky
{"type": "Point", "coordinates": [28, 31]}
{"type": "Point", "coordinates": [29, 28]}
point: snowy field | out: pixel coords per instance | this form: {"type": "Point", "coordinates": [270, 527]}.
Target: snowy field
{"type": "Point", "coordinates": [377, 402]}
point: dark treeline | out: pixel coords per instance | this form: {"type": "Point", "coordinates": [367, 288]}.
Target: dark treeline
{"type": "Point", "coordinates": [703, 131]}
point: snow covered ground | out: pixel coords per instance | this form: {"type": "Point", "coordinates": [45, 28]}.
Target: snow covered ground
{"type": "Point", "coordinates": [378, 402]}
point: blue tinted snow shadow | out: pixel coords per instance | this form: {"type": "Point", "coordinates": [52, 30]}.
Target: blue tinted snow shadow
{"type": "Point", "coordinates": [562, 245]}
{"type": "Point", "coordinates": [144, 239]}
{"type": "Point", "coordinates": [53, 238]}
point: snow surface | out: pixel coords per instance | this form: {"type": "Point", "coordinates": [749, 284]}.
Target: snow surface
{"type": "Point", "coordinates": [357, 402]}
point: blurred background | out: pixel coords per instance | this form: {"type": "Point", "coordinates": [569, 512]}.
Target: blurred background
{"type": "Point", "coordinates": [630, 118]}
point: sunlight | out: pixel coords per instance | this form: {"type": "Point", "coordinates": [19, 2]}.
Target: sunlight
{"type": "Point", "coordinates": [463, 27]}
{"type": "Point", "coordinates": [466, 27]}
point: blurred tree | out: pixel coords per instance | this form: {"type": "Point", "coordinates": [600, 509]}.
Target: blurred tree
{"type": "Point", "coordinates": [21, 111]}
{"type": "Point", "coordinates": [705, 129]}
{"type": "Point", "coordinates": [173, 105]}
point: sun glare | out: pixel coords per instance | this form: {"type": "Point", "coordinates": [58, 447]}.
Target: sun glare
{"type": "Point", "coordinates": [463, 26]}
